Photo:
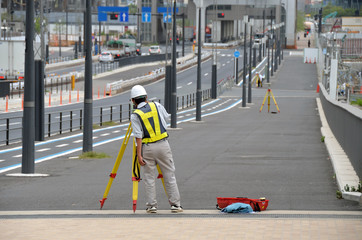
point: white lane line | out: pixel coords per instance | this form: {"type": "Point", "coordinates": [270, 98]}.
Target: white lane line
{"type": "Point", "coordinates": [64, 116]}
{"type": "Point", "coordinates": [117, 131]}
{"type": "Point", "coordinates": [223, 64]}
{"type": "Point", "coordinates": [228, 62]}
{"type": "Point", "coordinates": [78, 141]}
{"type": "Point", "coordinates": [105, 134]}
{"type": "Point", "coordinates": [206, 74]}
{"type": "Point", "coordinates": [189, 114]}
{"type": "Point", "coordinates": [95, 137]}
{"type": "Point", "coordinates": [17, 156]}
{"type": "Point", "coordinates": [2, 160]}
{"type": "Point", "coordinates": [189, 83]}
{"type": "Point", "coordinates": [62, 145]}
{"type": "Point", "coordinates": [179, 87]}
{"type": "Point", "coordinates": [43, 150]}
{"type": "Point", "coordinates": [181, 117]}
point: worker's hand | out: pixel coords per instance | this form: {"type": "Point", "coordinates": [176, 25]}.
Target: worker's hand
{"type": "Point", "coordinates": [140, 161]}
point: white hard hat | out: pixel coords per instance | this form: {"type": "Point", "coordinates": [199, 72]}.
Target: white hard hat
{"type": "Point", "coordinates": [138, 91]}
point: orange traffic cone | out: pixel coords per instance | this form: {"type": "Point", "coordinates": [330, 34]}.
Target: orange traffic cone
{"type": "Point", "coordinates": [318, 88]}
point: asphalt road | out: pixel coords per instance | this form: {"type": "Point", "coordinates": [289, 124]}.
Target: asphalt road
{"type": "Point", "coordinates": [233, 152]}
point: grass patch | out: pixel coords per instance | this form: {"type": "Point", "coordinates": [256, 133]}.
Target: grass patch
{"type": "Point", "coordinates": [93, 155]}
{"type": "Point", "coordinates": [322, 138]}
{"type": "Point", "coordinates": [357, 102]}
{"type": "Point", "coordinates": [110, 123]}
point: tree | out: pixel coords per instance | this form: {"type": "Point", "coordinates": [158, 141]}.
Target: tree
{"type": "Point", "coordinates": [300, 21]}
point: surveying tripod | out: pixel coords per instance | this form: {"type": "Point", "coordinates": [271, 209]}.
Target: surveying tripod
{"type": "Point", "coordinates": [135, 171]}
{"type": "Point", "coordinates": [268, 94]}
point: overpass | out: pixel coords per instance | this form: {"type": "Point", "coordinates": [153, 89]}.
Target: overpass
{"type": "Point", "coordinates": [287, 8]}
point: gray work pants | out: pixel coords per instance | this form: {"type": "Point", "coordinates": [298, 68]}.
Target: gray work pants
{"type": "Point", "coordinates": [159, 153]}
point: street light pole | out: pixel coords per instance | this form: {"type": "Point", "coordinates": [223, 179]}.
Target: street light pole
{"type": "Point", "coordinates": [214, 67]}
{"type": "Point", "coordinates": [88, 85]}
{"type": "Point", "coordinates": [198, 89]}
{"type": "Point", "coordinates": [28, 131]}
{"type": "Point", "coordinates": [174, 73]}
{"type": "Point", "coordinates": [250, 56]}
{"type": "Point", "coordinates": [245, 59]}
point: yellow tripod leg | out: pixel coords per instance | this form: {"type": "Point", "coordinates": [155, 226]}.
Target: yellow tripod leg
{"type": "Point", "coordinates": [161, 176]}
{"type": "Point", "coordinates": [116, 164]}
{"type": "Point", "coordinates": [275, 102]}
{"type": "Point", "coordinates": [261, 108]}
{"type": "Point", "coordinates": [135, 176]}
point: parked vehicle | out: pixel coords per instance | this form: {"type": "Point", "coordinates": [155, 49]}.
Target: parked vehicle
{"type": "Point", "coordinates": [12, 59]}
{"type": "Point", "coordinates": [154, 50]}
{"type": "Point", "coordinates": [106, 57]}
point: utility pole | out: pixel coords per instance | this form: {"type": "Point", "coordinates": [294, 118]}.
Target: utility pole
{"type": "Point", "coordinates": [245, 59]}
{"type": "Point", "coordinates": [88, 96]}
{"type": "Point", "coordinates": [214, 59]}
{"type": "Point", "coordinates": [174, 73]}
{"type": "Point", "coordinates": [28, 131]}
{"type": "Point", "coordinates": [250, 57]}
{"type": "Point", "coordinates": [198, 87]}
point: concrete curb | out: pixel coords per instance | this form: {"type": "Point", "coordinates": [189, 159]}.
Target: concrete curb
{"type": "Point", "coordinates": [345, 173]}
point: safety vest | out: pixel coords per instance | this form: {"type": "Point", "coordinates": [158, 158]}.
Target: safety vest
{"type": "Point", "coordinates": [153, 129]}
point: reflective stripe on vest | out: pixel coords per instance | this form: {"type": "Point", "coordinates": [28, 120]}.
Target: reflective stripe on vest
{"type": "Point", "coordinates": [153, 129]}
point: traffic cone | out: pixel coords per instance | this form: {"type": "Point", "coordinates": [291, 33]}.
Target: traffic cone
{"type": "Point", "coordinates": [315, 61]}
{"type": "Point", "coordinates": [306, 60]}
{"type": "Point", "coordinates": [318, 88]}
{"type": "Point", "coordinates": [7, 104]}
{"type": "Point", "coordinates": [50, 99]}
{"type": "Point", "coordinates": [310, 60]}
{"type": "Point", "coordinates": [360, 91]}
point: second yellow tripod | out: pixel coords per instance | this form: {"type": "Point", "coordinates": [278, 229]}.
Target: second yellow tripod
{"type": "Point", "coordinates": [268, 94]}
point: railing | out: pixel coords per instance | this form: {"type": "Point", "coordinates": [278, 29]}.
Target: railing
{"type": "Point", "coordinates": [61, 122]}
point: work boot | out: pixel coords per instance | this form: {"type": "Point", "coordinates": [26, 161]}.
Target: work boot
{"type": "Point", "coordinates": [176, 209]}
{"type": "Point", "coordinates": [151, 210]}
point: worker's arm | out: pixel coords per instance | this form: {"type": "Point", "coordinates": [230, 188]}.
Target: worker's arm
{"type": "Point", "coordinates": [139, 151]}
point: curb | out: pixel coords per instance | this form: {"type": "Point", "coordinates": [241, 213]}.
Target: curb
{"type": "Point", "coordinates": [345, 173]}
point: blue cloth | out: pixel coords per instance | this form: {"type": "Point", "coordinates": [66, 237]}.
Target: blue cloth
{"type": "Point", "coordinates": [238, 208]}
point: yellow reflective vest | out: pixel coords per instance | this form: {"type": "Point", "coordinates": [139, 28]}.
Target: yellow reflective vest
{"type": "Point", "coordinates": [153, 129]}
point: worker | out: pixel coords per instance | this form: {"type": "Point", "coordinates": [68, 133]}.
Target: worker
{"type": "Point", "coordinates": [149, 128]}
{"type": "Point", "coordinates": [308, 43]}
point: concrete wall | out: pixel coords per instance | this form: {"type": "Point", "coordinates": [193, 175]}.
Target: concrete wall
{"type": "Point", "coordinates": [345, 122]}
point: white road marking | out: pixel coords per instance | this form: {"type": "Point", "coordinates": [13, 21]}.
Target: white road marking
{"type": "Point", "coordinates": [206, 74]}
{"type": "Point", "coordinates": [62, 145]}
{"type": "Point", "coordinates": [189, 83]}
{"type": "Point", "coordinates": [223, 64]}
{"type": "Point", "coordinates": [78, 141]}
{"type": "Point", "coordinates": [2, 160]}
{"type": "Point", "coordinates": [180, 117]}
{"type": "Point", "coordinates": [117, 131]}
{"type": "Point", "coordinates": [95, 137]}
{"type": "Point", "coordinates": [228, 62]}
{"type": "Point", "coordinates": [43, 150]}
{"type": "Point", "coordinates": [64, 116]}
{"type": "Point", "coordinates": [187, 115]}
{"type": "Point", "coordinates": [105, 134]}
{"type": "Point", "coordinates": [179, 87]}
{"type": "Point", "coordinates": [17, 156]}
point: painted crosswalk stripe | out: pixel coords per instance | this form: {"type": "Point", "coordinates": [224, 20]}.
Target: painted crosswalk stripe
{"type": "Point", "coordinates": [43, 150]}
{"type": "Point", "coordinates": [62, 145]}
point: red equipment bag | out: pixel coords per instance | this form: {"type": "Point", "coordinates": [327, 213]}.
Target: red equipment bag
{"type": "Point", "coordinates": [256, 204]}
